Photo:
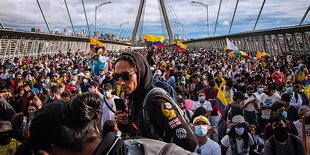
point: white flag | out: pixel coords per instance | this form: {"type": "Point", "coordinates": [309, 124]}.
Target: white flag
{"type": "Point", "coordinates": [231, 45]}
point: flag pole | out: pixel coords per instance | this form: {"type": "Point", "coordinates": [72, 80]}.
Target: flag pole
{"type": "Point", "coordinates": [304, 135]}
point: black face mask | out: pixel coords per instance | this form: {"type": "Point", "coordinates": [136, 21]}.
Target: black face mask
{"type": "Point", "coordinates": [280, 134]}
{"type": "Point", "coordinates": [250, 94]}
{"type": "Point", "coordinates": [238, 81]}
{"type": "Point", "coordinates": [235, 99]}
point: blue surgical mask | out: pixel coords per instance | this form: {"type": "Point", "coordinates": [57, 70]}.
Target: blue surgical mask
{"type": "Point", "coordinates": [239, 131]}
{"type": "Point", "coordinates": [72, 82]}
{"type": "Point", "coordinates": [200, 130]}
{"type": "Point", "coordinates": [202, 98]}
{"type": "Point", "coordinates": [107, 94]}
{"type": "Point", "coordinates": [284, 114]}
{"type": "Point", "coordinates": [289, 89]}
{"type": "Point", "coordinates": [260, 90]}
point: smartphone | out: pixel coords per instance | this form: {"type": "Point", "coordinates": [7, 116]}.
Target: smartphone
{"type": "Point", "coordinates": [120, 104]}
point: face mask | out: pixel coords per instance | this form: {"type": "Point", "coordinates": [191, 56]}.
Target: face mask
{"type": "Point", "coordinates": [260, 90]}
{"type": "Point", "coordinates": [46, 81]}
{"type": "Point", "coordinates": [203, 78]}
{"type": "Point", "coordinates": [52, 97]}
{"type": "Point", "coordinates": [235, 99]}
{"type": "Point", "coordinates": [90, 89]}
{"type": "Point", "coordinates": [107, 94]}
{"type": "Point", "coordinates": [200, 130]}
{"type": "Point", "coordinates": [280, 134]}
{"type": "Point", "coordinates": [250, 94]}
{"type": "Point", "coordinates": [284, 114]}
{"type": "Point", "coordinates": [202, 98]}
{"type": "Point", "coordinates": [238, 81]}
{"type": "Point", "coordinates": [301, 90]}
{"type": "Point", "coordinates": [85, 80]}
{"type": "Point", "coordinates": [72, 82]}
{"type": "Point", "coordinates": [289, 89]}
{"type": "Point", "coordinates": [182, 82]}
{"type": "Point", "coordinates": [239, 131]}
{"type": "Point", "coordinates": [118, 133]}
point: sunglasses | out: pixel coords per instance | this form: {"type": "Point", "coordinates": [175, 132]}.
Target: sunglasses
{"type": "Point", "coordinates": [125, 75]}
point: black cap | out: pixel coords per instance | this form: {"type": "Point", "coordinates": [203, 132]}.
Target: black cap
{"type": "Point", "coordinates": [239, 95]}
{"type": "Point", "coordinates": [107, 86]}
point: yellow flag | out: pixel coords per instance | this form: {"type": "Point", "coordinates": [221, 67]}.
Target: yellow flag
{"type": "Point", "coordinates": [258, 55]}
{"type": "Point", "coordinates": [96, 42]}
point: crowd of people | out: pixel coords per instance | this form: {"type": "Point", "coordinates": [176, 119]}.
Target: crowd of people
{"type": "Point", "coordinates": [72, 103]}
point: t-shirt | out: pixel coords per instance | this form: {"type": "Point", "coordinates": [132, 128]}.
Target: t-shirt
{"type": "Point", "coordinates": [269, 100]}
{"type": "Point", "coordinates": [251, 106]}
{"type": "Point", "coordinates": [225, 141]}
{"type": "Point", "coordinates": [107, 114]}
{"type": "Point", "coordinates": [207, 105]}
{"type": "Point", "coordinates": [209, 148]}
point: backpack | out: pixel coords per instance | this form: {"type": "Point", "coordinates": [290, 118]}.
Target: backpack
{"type": "Point", "coordinates": [146, 146]}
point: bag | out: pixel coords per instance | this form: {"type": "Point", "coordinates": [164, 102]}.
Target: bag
{"type": "Point", "coordinates": [145, 146]}
{"type": "Point", "coordinates": [106, 103]}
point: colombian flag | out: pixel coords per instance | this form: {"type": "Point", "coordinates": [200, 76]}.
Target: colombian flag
{"type": "Point", "coordinates": [158, 41]}
{"type": "Point", "coordinates": [181, 47]}
{"type": "Point", "coordinates": [96, 43]}
{"type": "Point", "coordinates": [221, 101]}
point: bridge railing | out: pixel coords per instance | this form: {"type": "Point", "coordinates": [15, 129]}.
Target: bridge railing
{"type": "Point", "coordinates": [17, 44]}
{"type": "Point", "coordinates": [278, 41]}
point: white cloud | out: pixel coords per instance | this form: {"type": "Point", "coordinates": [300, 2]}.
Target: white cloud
{"type": "Point", "coordinates": [226, 22]}
{"type": "Point", "coordinates": [25, 14]}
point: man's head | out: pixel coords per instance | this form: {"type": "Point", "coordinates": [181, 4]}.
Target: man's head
{"type": "Point", "coordinates": [250, 90]}
{"type": "Point", "coordinates": [279, 108]}
{"type": "Point", "coordinates": [239, 97]}
{"type": "Point", "coordinates": [289, 86]}
{"type": "Point", "coordinates": [202, 126]}
{"type": "Point", "coordinates": [180, 101]}
{"type": "Point", "coordinates": [133, 73]}
{"type": "Point", "coordinates": [93, 86]}
{"type": "Point", "coordinates": [278, 125]}
{"type": "Point", "coordinates": [196, 78]}
{"type": "Point", "coordinates": [107, 90]}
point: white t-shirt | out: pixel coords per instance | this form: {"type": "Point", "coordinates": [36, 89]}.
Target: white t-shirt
{"type": "Point", "coordinates": [225, 141]}
{"type": "Point", "coordinates": [209, 148]}
{"type": "Point", "coordinates": [269, 100]}
{"type": "Point", "coordinates": [207, 105]}
{"type": "Point", "coordinates": [107, 114]}
{"type": "Point", "coordinates": [251, 106]}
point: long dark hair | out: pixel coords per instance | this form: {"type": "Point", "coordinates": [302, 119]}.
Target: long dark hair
{"type": "Point", "coordinates": [244, 136]}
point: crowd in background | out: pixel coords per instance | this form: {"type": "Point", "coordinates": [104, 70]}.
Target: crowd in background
{"type": "Point", "coordinates": [266, 98]}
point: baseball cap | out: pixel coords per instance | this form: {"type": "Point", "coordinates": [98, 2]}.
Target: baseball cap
{"type": "Point", "coordinates": [201, 119]}
{"type": "Point", "coordinates": [304, 111]}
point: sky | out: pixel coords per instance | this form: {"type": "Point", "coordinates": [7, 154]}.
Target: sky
{"type": "Point", "coordinates": [186, 19]}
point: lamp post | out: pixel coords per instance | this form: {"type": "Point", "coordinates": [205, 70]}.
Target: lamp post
{"type": "Point", "coordinates": [97, 7]}
{"type": "Point", "coordinates": [182, 28]}
{"type": "Point", "coordinates": [206, 6]}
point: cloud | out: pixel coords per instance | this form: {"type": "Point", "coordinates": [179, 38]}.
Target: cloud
{"type": "Point", "coordinates": [24, 14]}
{"type": "Point", "coordinates": [225, 22]}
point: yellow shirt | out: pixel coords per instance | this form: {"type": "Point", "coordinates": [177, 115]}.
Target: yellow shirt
{"type": "Point", "coordinates": [11, 148]}
{"type": "Point", "coordinates": [307, 91]}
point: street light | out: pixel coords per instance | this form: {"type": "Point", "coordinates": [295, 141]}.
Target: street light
{"type": "Point", "coordinates": [97, 7]}
{"type": "Point", "coordinates": [182, 28]}
{"type": "Point", "coordinates": [120, 28]}
{"type": "Point", "coordinates": [206, 6]}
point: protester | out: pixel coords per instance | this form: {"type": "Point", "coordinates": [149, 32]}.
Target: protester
{"type": "Point", "coordinates": [282, 142]}
{"type": "Point", "coordinates": [205, 144]}
{"type": "Point", "coordinates": [133, 73]}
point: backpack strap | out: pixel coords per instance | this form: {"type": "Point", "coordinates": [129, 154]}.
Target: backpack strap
{"type": "Point", "coordinates": [296, 97]}
{"type": "Point", "coordinates": [106, 103]}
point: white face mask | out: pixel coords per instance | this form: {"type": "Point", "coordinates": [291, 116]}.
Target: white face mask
{"type": "Point", "coordinates": [239, 131]}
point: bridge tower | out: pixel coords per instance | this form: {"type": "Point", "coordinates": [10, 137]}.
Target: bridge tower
{"type": "Point", "coordinates": [165, 16]}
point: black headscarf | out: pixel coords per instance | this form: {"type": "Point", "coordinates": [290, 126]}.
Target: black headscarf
{"type": "Point", "coordinates": [145, 83]}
